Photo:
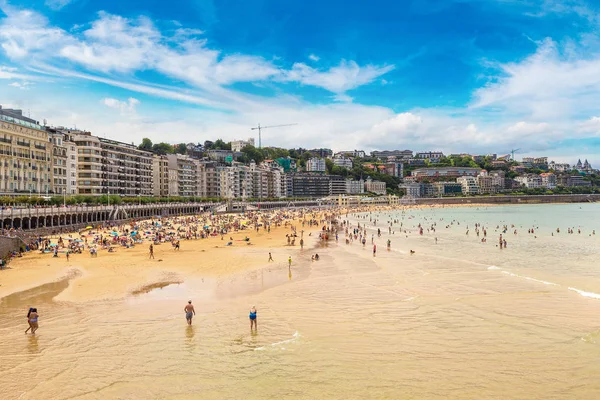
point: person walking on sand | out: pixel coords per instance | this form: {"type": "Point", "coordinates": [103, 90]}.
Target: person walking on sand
{"type": "Point", "coordinates": [289, 261]}
{"type": "Point", "coordinates": [67, 254]}
{"type": "Point", "coordinates": [189, 312]}
{"type": "Point", "coordinates": [374, 250]}
{"type": "Point", "coordinates": [151, 251]}
{"type": "Point", "coordinates": [252, 317]}
{"type": "Point", "coordinates": [270, 257]}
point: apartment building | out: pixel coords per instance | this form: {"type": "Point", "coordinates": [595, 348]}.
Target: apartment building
{"type": "Point", "coordinates": [490, 183]}
{"type": "Point", "coordinates": [315, 165]}
{"type": "Point", "coordinates": [530, 181]}
{"type": "Point", "coordinates": [343, 162]}
{"type": "Point", "coordinates": [182, 175]}
{"type": "Point", "coordinates": [548, 180]}
{"type": "Point", "coordinates": [447, 188]}
{"type": "Point", "coordinates": [468, 184]}
{"type": "Point", "coordinates": [310, 185]}
{"type": "Point", "coordinates": [431, 156]}
{"type": "Point", "coordinates": [25, 154]}
{"type": "Point", "coordinates": [394, 169]}
{"type": "Point", "coordinates": [60, 161]}
{"type": "Point", "coordinates": [160, 176]}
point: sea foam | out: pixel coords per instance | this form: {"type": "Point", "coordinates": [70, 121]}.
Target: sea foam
{"type": "Point", "coordinates": [586, 294]}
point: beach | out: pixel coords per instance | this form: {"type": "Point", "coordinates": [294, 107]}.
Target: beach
{"type": "Point", "coordinates": [456, 319]}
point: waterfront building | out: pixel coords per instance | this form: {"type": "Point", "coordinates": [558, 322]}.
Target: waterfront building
{"type": "Point", "coordinates": [183, 170]}
{"type": "Point", "coordinates": [375, 186]}
{"type": "Point", "coordinates": [490, 183]}
{"type": "Point", "coordinates": [572, 181]}
{"type": "Point", "coordinates": [338, 185]}
{"type": "Point", "coordinates": [412, 189]}
{"type": "Point", "coordinates": [315, 165]}
{"type": "Point", "coordinates": [468, 184]}
{"type": "Point", "coordinates": [25, 154]}
{"type": "Point", "coordinates": [60, 161]}
{"type": "Point", "coordinates": [310, 185]}
{"type": "Point", "coordinates": [160, 176]}
{"type": "Point", "coordinates": [530, 181]}
{"type": "Point", "coordinates": [447, 188]}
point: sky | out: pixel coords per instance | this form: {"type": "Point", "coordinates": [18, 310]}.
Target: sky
{"type": "Point", "coordinates": [473, 76]}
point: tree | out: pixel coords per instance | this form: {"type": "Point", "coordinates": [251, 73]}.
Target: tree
{"type": "Point", "coordinates": [250, 152]}
{"type": "Point", "coordinates": [208, 145]}
{"type": "Point", "coordinates": [162, 148]}
{"type": "Point", "coordinates": [146, 144]}
{"type": "Point", "coordinates": [181, 148]}
{"type": "Point", "coordinates": [221, 145]}
{"type": "Point", "coordinates": [329, 165]}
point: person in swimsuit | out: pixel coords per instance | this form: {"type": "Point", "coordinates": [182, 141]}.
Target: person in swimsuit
{"type": "Point", "coordinates": [252, 317]}
{"type": "Point", "coordinates": [28, 321]}
{"type": "Point", "coordinates": [189, 312]}
{"type": "Point", "coordinates": [32, 318]}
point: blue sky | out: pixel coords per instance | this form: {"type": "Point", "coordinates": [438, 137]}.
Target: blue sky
{"type": "Point", "coordinates": [480, 76]}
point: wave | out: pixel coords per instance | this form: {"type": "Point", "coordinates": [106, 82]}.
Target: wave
{"type": "Point", "coordinates": [586, 294]}
{"type": "Point", "coordinates": [493, 268]}
{"type": "Point", "coordinates": [530, 279]}
{"type": "Point", "coordinates": [293, 339]}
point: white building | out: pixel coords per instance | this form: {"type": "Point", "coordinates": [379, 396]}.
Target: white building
{"type": "Point", "coordinates": [238, 145]}
{"type": "Point", "coordinates": [548, 180]}
{"type": "Point", "coordinates": [343, 162]}
{"type": "Point", "coordinates": [469, 184]}
{"type": "Point", "coordinates": [558, 167]}
{"type": "Point", "coordinates": [315, 165]}
{"type": "Point", "coordinates": [530, 181]}
{"type": "Point", "coordinates": [351, 153]}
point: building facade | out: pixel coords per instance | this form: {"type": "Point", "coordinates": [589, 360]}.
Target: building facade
{"type": "Point", "coordinates": [375, 186]}
{"type": "Point", "coordinates": [343, 162]}
{"type": "Point", "coordinates": [238, 145]}
{"type": "Point", "coordinates": [442, 172]}
{"type": "Point", "coordinates": [310, 185]}
{"type": "Point", "coordinates": [160, 176]}
{"type": "Point", "coordinates": [468, 184]}
{"type": "Point", "coordinates": [315, 165]}
{"type": "Point", "coordinates": [25, 155]}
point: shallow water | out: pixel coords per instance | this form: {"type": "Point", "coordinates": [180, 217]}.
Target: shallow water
{"type": "Point", "coordinates": [457, 320]}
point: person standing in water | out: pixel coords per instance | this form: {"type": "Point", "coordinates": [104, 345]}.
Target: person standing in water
{"type": "Point", "coordinates": [32, 318]}
{"type": "Point", "coordinates": [289, 261]}
{"type": "Point", "coordinates": [252, 317]}
{"type": "Point", "coordinates": [189, 312]}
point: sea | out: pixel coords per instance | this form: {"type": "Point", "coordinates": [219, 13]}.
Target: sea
{"type": "Point", "coordinates": [440, 314]}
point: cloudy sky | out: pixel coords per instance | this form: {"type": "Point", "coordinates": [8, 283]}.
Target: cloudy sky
{"type": "Point", "coordinates": [479, 76]}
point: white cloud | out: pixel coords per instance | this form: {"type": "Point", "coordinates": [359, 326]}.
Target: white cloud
{"type": "Point", "coordinates": [314, 58]}
{"type": "Point", "coordinates": [114, 44]}
{"type": "Point", "coordinates": [21, 85]}
{"type": "Point", "coordinates": [346, 76]}
{"type": "Point", "coordinates": [124, 107]}
{"type": "Point", "coordinates": [58, 4]}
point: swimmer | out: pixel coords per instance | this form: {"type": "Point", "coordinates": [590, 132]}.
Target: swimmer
{"type": "Point", "coordinates": [189, 312]}
{"type": "Point", "coordinates": [252, 317]}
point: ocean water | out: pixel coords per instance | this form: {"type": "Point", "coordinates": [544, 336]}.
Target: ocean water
{"type": "Point", "coordinates": [458, 319]}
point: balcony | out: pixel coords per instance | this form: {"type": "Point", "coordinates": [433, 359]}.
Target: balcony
{"type": "Point", "coordinates": [40, 147]}
{"type": "Point", "coordinates": [24, 144]}
{"type": "Point", "coordinates": [4, 140]}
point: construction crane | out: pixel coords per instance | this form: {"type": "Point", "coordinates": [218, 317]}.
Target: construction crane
{"type": "Point", "coordinates": [512, 152]}
{"type": "Point", "coordinates": [260, 128]}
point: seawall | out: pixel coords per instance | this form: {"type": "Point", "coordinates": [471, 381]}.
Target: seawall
{"type": "Point", "coordinates": [542, 199]}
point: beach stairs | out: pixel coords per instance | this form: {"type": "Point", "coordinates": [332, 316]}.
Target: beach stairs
{"type": "Point", "coordinates": [117, 213]}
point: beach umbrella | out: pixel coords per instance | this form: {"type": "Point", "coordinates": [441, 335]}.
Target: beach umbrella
{"type": "Point", "coordinates": [133, 233]}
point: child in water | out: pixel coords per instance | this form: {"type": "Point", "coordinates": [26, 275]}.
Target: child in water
{"type": "Point", "coordinates": [252, 317]}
